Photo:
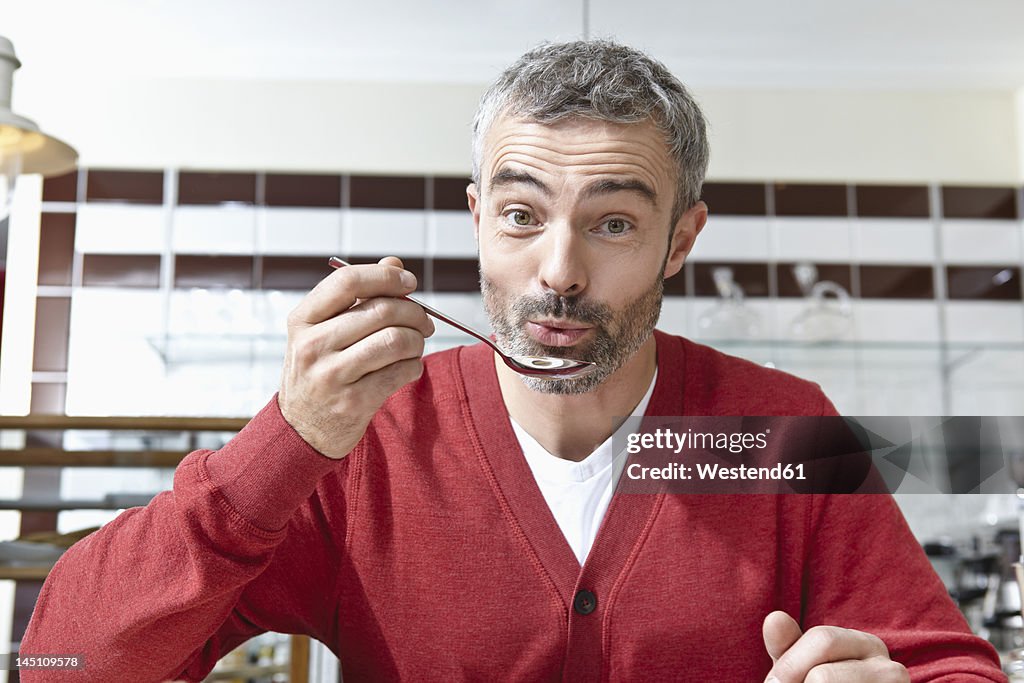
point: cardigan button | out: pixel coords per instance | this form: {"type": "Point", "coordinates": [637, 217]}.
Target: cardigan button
{"type": "Point", "coordinates": [585, 602]}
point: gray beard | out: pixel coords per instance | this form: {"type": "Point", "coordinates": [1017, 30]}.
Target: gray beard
{"type": "Point", "coordinates": [617, 336]}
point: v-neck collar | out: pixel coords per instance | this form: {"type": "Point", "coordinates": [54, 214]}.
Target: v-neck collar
{"type": "Point", "coordinates": [517, 492]}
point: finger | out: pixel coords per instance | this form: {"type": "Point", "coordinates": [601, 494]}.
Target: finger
{"type": "Point", "coordinates": [339, 291]}
{"type": "Point", "coordinates": [824, 644]}
{"type": "Point", "coordinates": [364, 319]}
{"type": "Point", "coordinates": [780, 631]}
{"type": "Point", "coordinates": [391, 261]}
{"type": "Point", "coordinates": [375, 352]}
{"type": "Point", "coordinates": [875, 669]}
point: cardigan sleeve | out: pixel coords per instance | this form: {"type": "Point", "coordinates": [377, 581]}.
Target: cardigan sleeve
{"type": "Point", "coordinates": [866, 571]}
{"type": "Point", "coordinates": [234, 549]}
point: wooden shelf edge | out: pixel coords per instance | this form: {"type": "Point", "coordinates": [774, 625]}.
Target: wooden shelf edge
{"type": "Point", "coordinates": [24, 573]}
{"type": "Point", "coordinates": [176, 424]}
{"type": "Point", "coordinates": [57, 457]}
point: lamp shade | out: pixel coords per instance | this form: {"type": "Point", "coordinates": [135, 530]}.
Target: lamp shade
{"type": "Point", "coordinates": [20, 138]}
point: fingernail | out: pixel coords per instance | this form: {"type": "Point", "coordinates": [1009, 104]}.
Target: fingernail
{"type": "Point", "coordinates": [408, 279]}
{"type": "Point", "coordinates": [772, 679]}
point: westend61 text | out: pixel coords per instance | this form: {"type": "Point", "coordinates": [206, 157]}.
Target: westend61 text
{"type": "Point", "coordinates": [704, 471]}
{"type": "Point", "coordinates": [666, 439]}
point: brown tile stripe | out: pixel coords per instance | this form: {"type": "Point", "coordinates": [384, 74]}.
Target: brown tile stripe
{"type": "Point", "coordinates": [286, 189]}
{"type": "Point", "coordinates": [213, 271]}
{"type": "Point", "coordinates": [387, 192]}
{"type": "Point", "coordinates": [48, 398]}
{"type": "Point", "coordinates": [62, 188]}
{"type": "Point", "coordinates": [810, 200]}
{"type": "Point", "coordinates": [751, 277]}
{"type": "Point", "coordinates": [293, 272]}
{"type": "Point", "coordinates": [56, 248]}
{"type": "Point", "coordinates": [53, 319]}
{"type": "Point", "coordinates": [407, 192]}
{"type": "Point", "coordinates": [140, 187]}
{"type": "Point", "coordinates": [989, 283]}
{"type": "Point", "coordinates": [450, 194]}
{"type": "Point", "coordinates": [216, 188]}
{"type": "Point", "coordinates": [735, 199]}
{"type": "Point", "coordinates": [896, 282]}
{"type": "Point", "coordinates": [121, 270]}
{"type": "Point", "coordinates": [456, 275]}
{"type": "Point", "coordinates": [840, 273]}
{"type": "Point", "coordinates": [892, 201]}
{"type": "Point", "coordinates": [979, 202]}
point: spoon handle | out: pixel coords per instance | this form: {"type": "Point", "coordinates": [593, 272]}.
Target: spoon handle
{"type": "Point", "coordinates": [336, 262]}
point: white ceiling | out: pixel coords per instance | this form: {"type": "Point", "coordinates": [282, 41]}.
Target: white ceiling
{"type": "Point", "coordinates": [722, 43]}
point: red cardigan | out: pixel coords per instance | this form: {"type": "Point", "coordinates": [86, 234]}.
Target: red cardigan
{"type": "Point", "coordinates": [430, 554]}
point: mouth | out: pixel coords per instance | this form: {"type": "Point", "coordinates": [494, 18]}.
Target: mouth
{"type": "Point", "coordinates": [557, 333]}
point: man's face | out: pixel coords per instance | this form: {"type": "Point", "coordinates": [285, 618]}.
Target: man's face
{"type": "Point", "coordinates": [573, 223]}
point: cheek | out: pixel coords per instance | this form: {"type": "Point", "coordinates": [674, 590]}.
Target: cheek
{"type": "Point", "coordinates": [506, 269]}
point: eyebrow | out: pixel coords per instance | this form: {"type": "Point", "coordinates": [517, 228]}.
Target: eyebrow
{"type": "Point", "coordinates": [509, 177]}
{"type": "Point", "coordinates": [608, 186]}
{"type": "Point", "coordinates": [634, 185]}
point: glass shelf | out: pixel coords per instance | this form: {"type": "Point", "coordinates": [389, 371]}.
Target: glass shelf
{"type": "Point", "coordinates": [861, 377]}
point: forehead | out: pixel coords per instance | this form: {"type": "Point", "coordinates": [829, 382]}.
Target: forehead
{"type": "Point", "coordinates": [579, 147]}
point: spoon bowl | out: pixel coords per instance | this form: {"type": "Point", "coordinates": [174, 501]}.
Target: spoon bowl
{"type": "Point", "coordinates": [541, 367]}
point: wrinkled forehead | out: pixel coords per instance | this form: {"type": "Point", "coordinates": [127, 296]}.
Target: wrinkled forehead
{"type": "Point", "coordinates": [578, 145]}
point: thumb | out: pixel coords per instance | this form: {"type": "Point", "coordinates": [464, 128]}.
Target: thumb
{"type": "Point", "coordinates": [780, 631]}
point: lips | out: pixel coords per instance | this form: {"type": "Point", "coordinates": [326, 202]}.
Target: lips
{"type": "Point", "coordinates": [551, 333]}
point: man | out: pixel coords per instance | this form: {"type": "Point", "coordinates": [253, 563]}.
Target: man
{"type": "Point", "coordinates": [447, 519]}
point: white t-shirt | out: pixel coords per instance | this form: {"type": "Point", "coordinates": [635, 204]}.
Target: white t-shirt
{"type": "Point", "coordinates": [578, 493]}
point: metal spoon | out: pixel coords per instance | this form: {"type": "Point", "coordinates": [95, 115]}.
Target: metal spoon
{"type": "Point", "coordinates": [543, 367]}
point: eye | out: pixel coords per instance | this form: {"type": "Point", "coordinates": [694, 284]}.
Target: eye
{"type": "Point", "coordinates": [519, 217]}
{"type": "Point", "coordinates": [616, 226]}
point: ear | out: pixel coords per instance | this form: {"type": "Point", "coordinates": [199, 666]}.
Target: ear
{"type": "Point", "coordinates": [473, 195]}
{"type": "Point", "coordinates": [684, 234]}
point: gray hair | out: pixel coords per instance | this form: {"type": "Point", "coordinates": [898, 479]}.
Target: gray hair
{"type": "Point", "coordinates": [603, 80]}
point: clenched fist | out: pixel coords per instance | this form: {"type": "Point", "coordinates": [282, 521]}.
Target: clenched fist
{"type": "Point", "coordinates": [351, 344]}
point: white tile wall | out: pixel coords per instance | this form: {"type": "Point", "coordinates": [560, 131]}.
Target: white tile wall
{"type": "Point", "coordinates": [896, 320]}
{"type": "Point", "coordinates": [791, 311]}
{"type": "Point", "coordinates": [104, 340]}
{"type": "Point", "coordinates": [120, 229]}
{"type": "Point", "coordinates": [298, 231]}
{"type": "Point", "coordinates": [984, 321]}
{"type": "Point", "coordinates": [813, 239]}
{"type": "Point", "coordinates": [675, 315]}
{"type": "Point", "coordinates": [214, 230]}
{"type": "Point", "coordinates": [202, 312]}
{"type": "Point", "coordinates": [981, 241]}
{"type": "Point", "coordinates": [450, 233]}
{"type": "Point", "coordinates": [883, 240]}
{"type": "Point", "coordinates": [707, 320]}
{"type": "Point", "coordinates": [733, 238]}
{"type": "Point", "coordinates": [398, 232]}
{"type": "Point", "coordinates": [987, 381]}
{"type": "Point", "coordinates": [995, 397]}
{"type": "Point", "coordinates": [899, 380]}
{"type": "Point", "coordinates": [933, 516]}
{"type": "Point", "coordinates": [465, 307]}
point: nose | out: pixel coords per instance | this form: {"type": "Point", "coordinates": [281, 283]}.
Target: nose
{"type": "Point", "coordinates": [563, 269]}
